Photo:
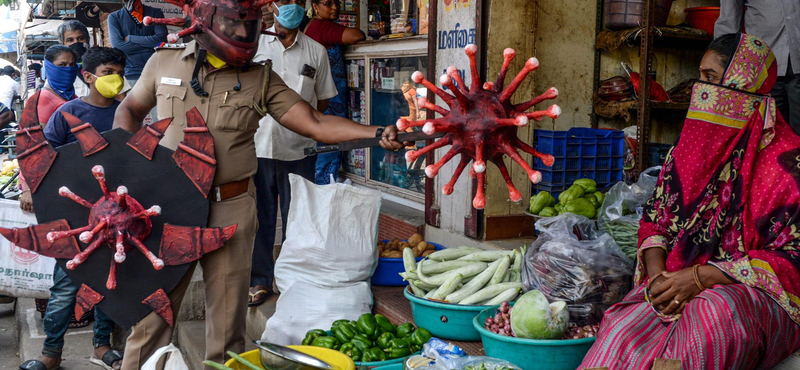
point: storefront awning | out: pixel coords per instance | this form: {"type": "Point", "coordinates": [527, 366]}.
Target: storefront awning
{"type": "Point", "coordinates": [8, 42]}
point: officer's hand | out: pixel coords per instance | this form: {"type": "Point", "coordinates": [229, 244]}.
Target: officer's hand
{"type": "Point", "coordinates": [389, 139]}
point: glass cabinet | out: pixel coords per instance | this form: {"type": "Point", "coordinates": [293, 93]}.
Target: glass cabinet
{"type": "Point", "coordinates": [381, 92]}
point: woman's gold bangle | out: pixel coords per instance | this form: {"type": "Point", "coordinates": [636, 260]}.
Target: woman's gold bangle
{"type": "Point", "coordinates": [697, 278]}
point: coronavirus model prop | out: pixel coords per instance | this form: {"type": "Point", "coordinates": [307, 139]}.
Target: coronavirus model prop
{"type": "Point", "coordinates": [129, 257]}
{"type": "Point", "coordinates": [481, 124]}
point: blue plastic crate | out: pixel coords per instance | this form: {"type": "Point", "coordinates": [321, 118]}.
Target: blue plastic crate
{"type": "Point", "coordinates": [554, 190]}
{"type": "Point", "coordinates": [581, 153]}
{"type": "Point", "coordinates": [657, 154]}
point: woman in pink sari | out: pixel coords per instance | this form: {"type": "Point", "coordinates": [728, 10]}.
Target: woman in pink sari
{"type": "Point", "coordinates": [718, 277]}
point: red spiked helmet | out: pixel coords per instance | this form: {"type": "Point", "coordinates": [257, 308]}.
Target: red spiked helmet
{"type": "Point", "coordinates": [228, 29]}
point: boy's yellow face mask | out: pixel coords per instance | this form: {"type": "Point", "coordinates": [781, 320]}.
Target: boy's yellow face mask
{"type": "Point", "coordinates": [109, 85]}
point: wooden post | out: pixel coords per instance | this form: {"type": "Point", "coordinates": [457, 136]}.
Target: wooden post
{"type": "Point", "coordinates": [645, 64]}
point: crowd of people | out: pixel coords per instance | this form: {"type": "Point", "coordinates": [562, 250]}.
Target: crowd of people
{"type": "Point", "coordinates": [263, 121]}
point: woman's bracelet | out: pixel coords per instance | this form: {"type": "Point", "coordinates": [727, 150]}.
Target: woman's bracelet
{"type": "Point", "coordinates": [653, 279]}
{"type": "Point", "coordinates": [697, 278]}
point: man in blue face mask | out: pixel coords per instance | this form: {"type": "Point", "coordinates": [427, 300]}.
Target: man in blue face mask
{"type": "Point", "coordinates": [303, 65]}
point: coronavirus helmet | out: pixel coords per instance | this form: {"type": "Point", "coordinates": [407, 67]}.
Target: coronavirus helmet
{"type": "Point", "coordinates": [228, 29]}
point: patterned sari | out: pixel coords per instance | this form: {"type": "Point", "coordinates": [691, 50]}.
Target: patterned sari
{"type": "Point", "coordinates": [729, 196]}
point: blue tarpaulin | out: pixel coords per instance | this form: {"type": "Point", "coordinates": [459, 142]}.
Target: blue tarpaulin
{"type": "Point", "coordinates": [8, 42]}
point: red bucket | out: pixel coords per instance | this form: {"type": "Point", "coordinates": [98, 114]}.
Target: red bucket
{"type": "Point", "coordinates": [703, 18]}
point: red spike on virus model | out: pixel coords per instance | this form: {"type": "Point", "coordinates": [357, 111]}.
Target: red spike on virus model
{"type": "Point", "coordinates": [481, 124]}
{"type": "Point", "coordinates": [116, 218]}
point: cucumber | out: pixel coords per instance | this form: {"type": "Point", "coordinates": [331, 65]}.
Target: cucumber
{"type": "Point", "coordinates": [475, 284]}
{"type": "Point", "coordinates": [518, 257]}
{"type": "Point", "coordinates": [452, 253]}
{"type": "Point", "coordinates": [501, 272]}
{"type": "Point", "coordinates": [409, 276]}
{"type": "Point", "coordinates": [431, 293]}
{"type": "Point", "coordinates": [409, 261]}
{"type": "Point", "coordinates": [489, 293]}
{"type": "Point", "coordinates": [448, 287]}
{"type": "Point", "coordinates": [486, 256]}
{"type": "Point", "coordinates": [441, 267]}
{"type": "Point", "coordinates": [466, 271]}
{"type": "Point", "coordinates": [506, 296]}
{"type": "Point", "coordinates": [422, 285]}
{"type": "Point", "coordinates": [416, 290]}
{"type": "Point", "coordinates": [244, 362]}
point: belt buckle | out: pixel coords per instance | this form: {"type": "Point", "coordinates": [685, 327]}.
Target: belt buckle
{"type": "Point", "coordinates": [217, 194]}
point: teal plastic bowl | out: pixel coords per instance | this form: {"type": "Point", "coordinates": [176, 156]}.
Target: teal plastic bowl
{"type": "Point", "coordinates": [531, 354]}
{"type": "Point", "coordinates": [445, 320]}
{"type": "Point", "coordinates": [398, 366]}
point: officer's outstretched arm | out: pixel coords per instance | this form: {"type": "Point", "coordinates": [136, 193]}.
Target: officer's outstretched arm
{"type": "Point", "coordinates": [306, 121]}
{"type": "Point", "coordinates": [130, 114]}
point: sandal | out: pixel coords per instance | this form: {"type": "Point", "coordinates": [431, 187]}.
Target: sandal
{"type": "Point", "coordinates": [35, 365]}
{"type": "Point", "coordinates": [111, 357]}
{"type": "Point", "coordinates": [258, 297]}
{"type": "Point", "coordinates": [85, 320]}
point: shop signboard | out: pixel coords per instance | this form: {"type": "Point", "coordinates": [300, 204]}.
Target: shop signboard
{"type": "Point", "coordinates": [456, 27]}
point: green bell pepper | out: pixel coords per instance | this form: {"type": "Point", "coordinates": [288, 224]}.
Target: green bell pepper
{"type": "Point", "coordinates": [558, 207]}
{"type": "Point", "coordinates": [581, 206]}
{"type": "Point", "coordinates": [373, 354]}
{"type": "Point", "coordinates": [600, 197]}
{"type": "Point", "coordinates": [344, 333]}
{"type": "Point", "coordinates": [338, 322]}
{"type": "Point", "coordinates": [384, 324]}
{"type": "Point", "coordinates": [362, 342]}
{"type": "Point", "coordinates": [351, 351]}
{"type": "Point", "coordinates": [592, 199]}
{"type": "Point", "coordinates": [326, 342]}
{"type": "Point", "coordinates": [420, 336]}
{"type": "Point", "coordinates": [367, 325]}
{"type": "Point", "coordinates": [588, 184]}
{"type": "Point", "coordinates": [574, 192]}
{"type": "Point", "coordinates": [541, 200]}
{"type": "Point", "coordinates": [399, 343]}
{"type": "Point", "coordinates": [313, 334]}
{"type": "Point", "coordinates": [384, 339]}
{"type": "Point", "coordinates": [405, 330]}
{"type": "Point", "coordinates": [398, 352]}
{"type": "Point", "coordinates": [548, 212]}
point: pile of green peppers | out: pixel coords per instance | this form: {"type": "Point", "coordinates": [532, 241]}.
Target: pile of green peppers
{"type": "Point", "coordinates": [371, 338]}
{"type": "Point", "coordinates": [581, 198]}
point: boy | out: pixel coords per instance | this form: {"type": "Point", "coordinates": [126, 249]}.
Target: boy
{"type": "Point", "coordinates": [102, 69]}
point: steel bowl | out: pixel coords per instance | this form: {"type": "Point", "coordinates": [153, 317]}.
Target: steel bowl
{"type": "Point", "coordinates": [275, 357]}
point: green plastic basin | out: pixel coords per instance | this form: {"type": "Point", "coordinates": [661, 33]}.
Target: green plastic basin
{"type": "Point", "coordinates": [531, 354]}
{"type": "Point", "coordinates": [445, 320]}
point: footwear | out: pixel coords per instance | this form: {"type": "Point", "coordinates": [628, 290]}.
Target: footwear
{"type": "Point", "coordinates": [109, 358]}
{"type": "Point", "coordinates": [258, 295]}
{"type": "Point", "coordinates": [35, 365]}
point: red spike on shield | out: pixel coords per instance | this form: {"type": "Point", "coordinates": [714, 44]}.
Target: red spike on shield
{"type": "Point", "coordinates": [85, 300]}
{"type": "Point", "coordinates": [195, 154]}
{"type": "Point", "coordinates": [146, 139]}
{"type": "Point", "coordinates": [34, 238]}
{"type": "Point", "coordinates": [36, 155]}
{"type": "Point", "coordinates": [183, 244]}
{"type": "Point", "coordinates": [90, 140]}
{"type": "Point", "coordinates": [160, 303]}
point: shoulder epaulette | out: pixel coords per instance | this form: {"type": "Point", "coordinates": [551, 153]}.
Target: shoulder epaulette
{"type": "Point", "coordinates": [165, 45]}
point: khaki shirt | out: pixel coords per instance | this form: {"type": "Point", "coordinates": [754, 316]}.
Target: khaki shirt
{"type": "Point", "coordinates": [230, 115]}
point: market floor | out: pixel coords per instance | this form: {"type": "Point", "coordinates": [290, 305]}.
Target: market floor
{"type": "Point", "coordinates": [77, 348]}
{"type": "Point", "coordinates": [8, 338]}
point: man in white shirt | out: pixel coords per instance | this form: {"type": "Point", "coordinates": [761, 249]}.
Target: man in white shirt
{"type": "Point", "coordinates": [8, 87]}
{"type": "Point", "coordinates": [303, 65]}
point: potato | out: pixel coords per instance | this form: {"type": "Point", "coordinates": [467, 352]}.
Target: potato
{"type": "Point", "coordinates": [421, 247]}
{"type": "Point", "coordinates": [381, 243]}
{"type": "Point", "coordinates": [381, 248]}
{"type": "Point", "coordinates": [427, 253]}
{"type": "Point", "coordinates": [403, 245]}
{"type": "Point", "coordinates": [416, 252]}
{"type": "Point", "coordinates": [430, 247]}
{"type": "Point", "coordinates": [414, 240]}
{"type": "Point", "coordinates": [394, 254]}
{"type": "Point", "coordinates": [384, 254]}
{"type": "Point", "coordinates": [394, 244]}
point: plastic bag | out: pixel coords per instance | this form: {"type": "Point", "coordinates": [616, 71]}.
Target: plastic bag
{"type": "Point", "coordinates": [327, 259]}
{"type": "Point", "coordinates": [23, 273]}
{"type": "Point", "coordinates": [622, 209]}
{"type": "Point", "coordinates": [174, 362]}
{"type": "Point", "coordinates": [590, 274]}
{"type": "Point", "coordinates": [567, 223]}
{"type": "Point", "coordinates": [441, 355]}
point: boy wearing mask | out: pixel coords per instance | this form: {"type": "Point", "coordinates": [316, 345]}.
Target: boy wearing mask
{"type": "Point", "coordinates": [103, 69]}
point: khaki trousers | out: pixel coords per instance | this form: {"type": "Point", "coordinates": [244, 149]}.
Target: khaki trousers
{"type": "Point", "coordinates": [226, 273]}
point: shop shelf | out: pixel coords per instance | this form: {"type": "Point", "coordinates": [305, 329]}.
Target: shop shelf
{"type": "Point", "coordinates": [657, 154]}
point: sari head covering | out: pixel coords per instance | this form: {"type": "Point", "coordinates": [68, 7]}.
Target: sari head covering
{"type": "Point", "coordinates": [729, 192]}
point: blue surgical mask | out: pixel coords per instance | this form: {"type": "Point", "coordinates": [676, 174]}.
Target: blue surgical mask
{"type": "Point", "coordinates": [290, 16]}
{"type": "Point", "coordinates": [61, 79]}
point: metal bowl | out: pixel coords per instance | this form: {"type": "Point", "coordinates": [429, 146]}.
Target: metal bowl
{"type": "Point", "coordinates": [275, 357]}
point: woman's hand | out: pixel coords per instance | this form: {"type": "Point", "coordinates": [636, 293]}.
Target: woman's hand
{"type": "Point", "coordinates": [26, 201]}
{"type": "Point", "coordinates": [670, 295]}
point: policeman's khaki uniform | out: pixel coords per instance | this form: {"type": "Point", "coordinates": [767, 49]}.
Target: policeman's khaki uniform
{"type": "Point", "coordinates": [233, 121]}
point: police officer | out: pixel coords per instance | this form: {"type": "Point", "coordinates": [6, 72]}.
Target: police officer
{"type": "Point", "coordinates": [214, 73]}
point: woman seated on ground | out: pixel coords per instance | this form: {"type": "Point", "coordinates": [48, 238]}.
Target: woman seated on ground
{"type": "Point", "coordinates": [718, 277]}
